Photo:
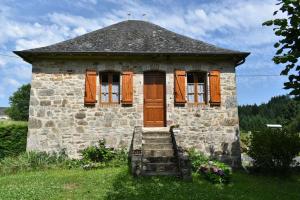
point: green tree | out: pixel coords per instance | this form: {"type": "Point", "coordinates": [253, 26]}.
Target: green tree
{"type": "Point", "coordinates": [279, 110]}
{"type": "Point", "coordinates": [288, 47]}
{"type": "Point", "coordinates": [19, 104]}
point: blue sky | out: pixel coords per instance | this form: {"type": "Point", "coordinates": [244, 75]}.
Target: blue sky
{"type": "Point", "coordinates": [231, 24]}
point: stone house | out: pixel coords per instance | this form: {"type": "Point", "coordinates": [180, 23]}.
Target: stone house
{"type": "Point", "coordinates": [131, 74]}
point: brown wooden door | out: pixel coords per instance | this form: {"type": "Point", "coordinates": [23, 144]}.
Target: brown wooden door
{"type": "Point", "coordinates": [154, 99]}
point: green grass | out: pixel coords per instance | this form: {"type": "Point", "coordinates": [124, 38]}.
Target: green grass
{"type": "Point", "coordinates": [10, 122]}
{"type": "Point", "coordinates": [116, 183]}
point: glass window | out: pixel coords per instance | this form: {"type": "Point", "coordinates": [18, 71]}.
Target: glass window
{"type": "Point", "coordinates": [115, 88]}
{"type": "Point", "coordinates": [110, 87]}
{"type": "Point", "coordinates": [196, 87]}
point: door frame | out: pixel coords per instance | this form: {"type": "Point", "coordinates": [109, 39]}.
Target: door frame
{"type": "Point", "coordinates": [164, 96]}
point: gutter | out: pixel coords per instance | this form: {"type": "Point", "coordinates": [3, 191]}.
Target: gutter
{"type": "Point", "coordinates": [240, 62]}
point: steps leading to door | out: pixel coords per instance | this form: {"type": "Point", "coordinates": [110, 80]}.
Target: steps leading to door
{"type": "Point", "coordinates": [158, 153]}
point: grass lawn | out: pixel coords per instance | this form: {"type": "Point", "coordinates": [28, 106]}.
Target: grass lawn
{"type": "Point", "coordinates": [10, 122]}
{"type": "Point", "coordinates": [116, 183]}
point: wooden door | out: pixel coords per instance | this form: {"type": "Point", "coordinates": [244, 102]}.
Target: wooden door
{"type": "Point", "coordinates": [154, 99]}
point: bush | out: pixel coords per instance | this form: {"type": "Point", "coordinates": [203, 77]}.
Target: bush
{"type": "Point", "coordinates": [95, 157]}
{"type": "Point", "coordinates": [12, 139]}
{"type": "Point", "coordinates": [36, 161]}
{"type": "Point", "coordinates": [245, 141]}
{"type": "Point", "coordinates": [273, 150]}
{"type": "Point", "coordinates": [98, 153]}
{"type": "Point", "coordinates": [197, 159]}
{"type": "Point", "coordinates": [214, 171]}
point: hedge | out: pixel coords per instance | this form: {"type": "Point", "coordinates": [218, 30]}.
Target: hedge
{"type": "Point", "coordinates": [12, 139]}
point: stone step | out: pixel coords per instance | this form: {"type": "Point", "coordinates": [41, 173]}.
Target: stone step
{"type": "Point", "coordinates": [159, 129]}
{"type": "Point", "coordinates": [150, 173]}
{"type": "Point", "coordinates": [157, 140]}
{"type": "Point", "coordinates": [156, 134]}
{"type": "Point", "coordinates": [167, 146]}
{"type": "Point", "coordinates": [162, 159]}
{"type": "Point", "coordinates": [160, 167]}
{"type": "Point", "coordinates": [158, 152]}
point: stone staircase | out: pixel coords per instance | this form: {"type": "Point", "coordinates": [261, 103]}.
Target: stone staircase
{"type": "Point", "coordinates": [154, 152]}
{"type": "Point", "coordinates": [158, 156]}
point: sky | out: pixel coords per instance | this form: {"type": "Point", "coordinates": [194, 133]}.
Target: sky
{"type": "Point", "coordinates": [232, 24]}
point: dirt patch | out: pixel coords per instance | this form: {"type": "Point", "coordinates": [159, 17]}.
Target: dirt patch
{"type": "Point", "coordinates": [71, 186]}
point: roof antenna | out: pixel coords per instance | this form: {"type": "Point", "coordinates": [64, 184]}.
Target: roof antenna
{"type": "Point", "coordinates": [128, 16]}
{"type": "Point", "coordinates": [144, 16]}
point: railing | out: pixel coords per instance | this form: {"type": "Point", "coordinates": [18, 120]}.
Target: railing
{"type": "Point", "coordinates": [183, 161]}
{"type": "Point", "coordinates": [136, 151]}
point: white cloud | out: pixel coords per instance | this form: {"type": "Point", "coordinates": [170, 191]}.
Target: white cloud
{"type": "Point", "coordinates": [2, 62]}
{"type": "Point", "coordinates": [73, 21]}
{"type": "Point", "coordinates": [11, 82]}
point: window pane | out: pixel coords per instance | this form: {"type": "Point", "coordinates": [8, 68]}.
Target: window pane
{"type": "Point", "coordinates": [191, 98]}
{"type": "Point", "coordinates": [115, 87]}
{"type": "Point", "coordinates": [104, 88]}
{"type": "Point", "coordinates": [191, 93]}
{"type": "Point", "coordinates": [190, 88]}
{"type": "Point", "coordinates": [115, 92]}
{"type": "Point", "coordinates": [104, 78]}
{"type": "Point", "coordinates": [200, 98]}
{"type": "Point", "coordinates": [104, 92]}
{"type": "Point", "coordinates": [190, 77]}
{"type": "Point", "coordinates": [116, 77]}
{"type": "Point", "coordinates": [200, 88]}
{"type": "Point", "coordinates": [201, 78]}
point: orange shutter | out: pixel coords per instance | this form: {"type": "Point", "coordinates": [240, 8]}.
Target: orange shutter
{"type": "Point", "coordinates": [90, 87]}
{"type": "Point", "coordinates": [179, 87]}
{"type": "Point", "coordinates": [215, 89]}
{"type": "Point", "coordinates": [127, 87]}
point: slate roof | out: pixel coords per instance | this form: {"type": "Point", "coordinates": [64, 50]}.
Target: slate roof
{"type": "Point", "coordinates": [132, 37]}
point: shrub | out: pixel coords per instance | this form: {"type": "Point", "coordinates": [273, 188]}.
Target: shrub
{"type": "Point", "coordinates": [95, 157]}
{"type": "Point", "coordinates": [214, 171]}
{"type": "Point", "coordinates": [36, 161]}
{"type": "Point", "coordinates": [98, 153]}
{"type": "Point", "coordinates": [197, 158]}
{"type": "Point", "coordinates": [245, 141]}
{"type": "Point", "coordinates": [120, 158]}
{"type": "Point", "coordinates": [273, 150]}
{"type": "Point", "coordinates": [12, 139]}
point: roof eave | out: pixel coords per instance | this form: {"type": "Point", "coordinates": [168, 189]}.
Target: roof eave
{"type": "Point", "coordinates": [29, 56]}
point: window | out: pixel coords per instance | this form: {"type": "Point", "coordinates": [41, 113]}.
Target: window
{"type": "Point", "coordinates": [109, 87]}
{"type": "Point", "coordinates": [196, 87]}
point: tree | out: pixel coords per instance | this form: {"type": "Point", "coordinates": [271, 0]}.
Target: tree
{"type": "Point", "coordinates": [288, 47]}
{"type": "Point", "coordinates": [279, 110]}
{"type": "Point", "coordinates": [19, 104]}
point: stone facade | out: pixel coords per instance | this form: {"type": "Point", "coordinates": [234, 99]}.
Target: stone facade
{"type": "Point", "coordinates": [59, 120]}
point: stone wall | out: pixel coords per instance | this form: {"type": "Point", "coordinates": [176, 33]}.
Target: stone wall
{"type": "Point", "coordinates": [59, 119]}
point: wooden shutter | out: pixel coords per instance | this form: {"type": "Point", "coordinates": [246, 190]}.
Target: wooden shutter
{"type": "Point", "coordinates": [179, 87]}
{"type": "Point", "coordinates": [215, 88]}
{"type": "Point", "coordinates": [127, 87]}
{"type": "Point", "coordinates": [90, 87]}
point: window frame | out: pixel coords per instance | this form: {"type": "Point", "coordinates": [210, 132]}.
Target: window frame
{"type": "Point", "coordinates": [110, 75]}
{"type": "Point", "coordinates": [196, 75]}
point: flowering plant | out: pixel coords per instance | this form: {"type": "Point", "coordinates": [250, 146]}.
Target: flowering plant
{"type": "Point", "coordinates": [215, 172]}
